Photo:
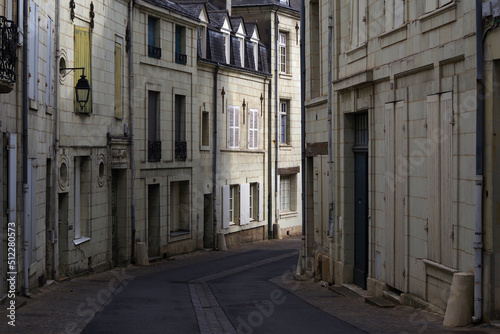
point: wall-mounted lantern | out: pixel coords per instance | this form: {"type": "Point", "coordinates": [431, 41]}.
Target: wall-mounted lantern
{"type": "Point", "coordinates": [82, 88]}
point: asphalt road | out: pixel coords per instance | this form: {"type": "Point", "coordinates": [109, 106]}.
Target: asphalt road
{"type": "Point", "coordinates": [227, 295]}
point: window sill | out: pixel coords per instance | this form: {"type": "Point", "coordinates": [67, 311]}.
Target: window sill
{"type": "Point", "coordinates": [179, 233]}
{"type": "Point", "coordinates": [285, 76]}
{"type": "Point", "coordinates": [286, 147]}
{"type": "Point", "coordinates": [240, 150]}
{"type": "Point", "coordinates": [393, 36]}
{"type": "Point", "coordinates": [80, 240]}
{"type": "Point", "coordinates": [356, 53]}
{"type": "Point", "coordinates": [288, 214]}
{"type": "Point", "coordinates": [439, 17]}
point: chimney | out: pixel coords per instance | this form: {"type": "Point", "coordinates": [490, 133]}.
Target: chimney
{"type": "Point", "coordinates": [222, 4]}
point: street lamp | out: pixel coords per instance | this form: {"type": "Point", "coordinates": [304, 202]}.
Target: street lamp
{"type": "Point", "coordinates": [82, 88]}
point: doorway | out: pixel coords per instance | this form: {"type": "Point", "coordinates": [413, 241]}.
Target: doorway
{"type": "Point", "coordinates": [208, 226]}
{"type": "Point", "coordinates": [118, 216]}
{"type": "Point", "coordinates": [360, 149]}
{"type": "Point", "coordinates": [153, 220]}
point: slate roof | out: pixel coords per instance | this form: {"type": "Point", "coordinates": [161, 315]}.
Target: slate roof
{"type": "Point", "coordinates": [294, 4]}
{"type": "Point", "coordinates": [193, 8]}
{"type": "Point", "coordinates": [215, 43]}
{"type": "Point", "coordinates": [217, 18]}
{"type": "Point", "coordinates": [250, 27]}
{"type": "Point", "coordinates": [172, 6]}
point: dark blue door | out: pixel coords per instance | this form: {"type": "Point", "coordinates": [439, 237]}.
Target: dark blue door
{"type": "Point", "coordinates": [360, 218]}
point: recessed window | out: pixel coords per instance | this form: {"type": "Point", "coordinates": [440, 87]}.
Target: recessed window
{"type": "Point", "coordinates": [233, 136]}
{"type": "Point", "coordinates": [253, 129]}
{"type": "Point", "coordinates": [180, 45]}
{"type": "Point", "coordinates": [282, 52]}
{"type": "Point", "coordinates": [284, 123]}
{"type": "Point", "coordinates": [179, 208]}
{"type": "Point", "coordinates": [154, 50]}
{"type": "Point", "coordinates": [154, 141]}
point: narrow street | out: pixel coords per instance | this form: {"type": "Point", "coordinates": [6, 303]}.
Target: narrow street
{"type": "Point", "coordinates": [228, 295]}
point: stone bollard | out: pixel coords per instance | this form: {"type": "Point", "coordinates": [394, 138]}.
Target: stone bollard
{"type": "Point", "coordinates": [142, 254]}
{"type": "Point", "coordinates": [221, 242]}
{"type": "Point", "coordinates": [459, 307]}
{"type": "Point", "coordinates": [276, 231]}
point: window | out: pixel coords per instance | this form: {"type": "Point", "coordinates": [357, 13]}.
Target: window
{"type": "Point", "coordinates": [358, 23]}
{"type": "Point", "coordinates": [154, 141]}
{"type": "Point", "coordinates": [284, 123]}
{"type": "Point", "coordinates": [118, 81]}
{"type": "Point", "coordinates": [179, 208]}
{"type": "Point", "coordinates": [205, 128]}
{"type": "Point", "coordinates": [180, 128]}
{"type": "Point", "coordinates": [242, 51]}
{"type": "Point", "coordinates": [202, 42]}
{"type": "Point", "coordinates": [282, 52]}
{"type": "Point", "coordinates": [394, 12]}
{"type": "Point", "coordinates": [83, 49]}
{"type": "Point", "coordinates": [49, 96]}
{"type": "Point", "coordinates": [227, 46]}
{"type": "Point", "coordinates": [253, 129]}
{"type": "Point", "coordinates": [233, 136]}
{"type": "Point", "coordinates": [285, 2]}
{"type": "Point", "coordinates": [431, 5]}
{"type": "Point", "coordinates": [82, 189]}
{"type": "Point", "coordinates": [285, 188]}
{"type": "Point", "coordinates": [33, 51]}
{"type": "Point", "coordinates": [180, 45]}
{"type": "Point", "coordinates": [256, 55]}
{"type": "Point", "coordinates": [314, 51]}
{"type": "Point", "coordinates": [256, 201]}
{"type": "Point", "coordinates": [154, 50]}
{"type": "Point", "coordinates": [230, 205]}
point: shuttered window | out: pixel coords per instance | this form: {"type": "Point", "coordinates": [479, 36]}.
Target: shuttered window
{"type": "Point", "coordinates": [394, 12]}
{"type": "Point", "coordinates": [253, 129]}
{"type": "Point", "coordinates": [233, 136]}
{"type": "Point", "coordinates": [33, 33]}
{"type": "Point", "coordinates": [49, 96]}
{"type": "Point", "coordinates": [83, 59]}
{"type": "Point", "coordinates": [118, 81]}
{"type": "Point", "coordinates": [358, 23]}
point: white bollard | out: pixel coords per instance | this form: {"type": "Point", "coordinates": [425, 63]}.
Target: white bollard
{"type": "Point", "coordinates": [459, 307]}
{"type": "Point", "coordinates": [221, 242]}
{"type": "Point", "coordinates": [142, 254]}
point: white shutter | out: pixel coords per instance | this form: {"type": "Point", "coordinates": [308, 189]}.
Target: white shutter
{"type": "Point", "coordinates": [50, 62]}
{"type": "Point", "coordinates": [256, 128]}
{"type": "Point", "coordinates": [244, 203]}
{"type": "Point", "coordinates": [433, 247]}
{"type": "Point", "coordinates": [230, 137]}
{"type": "Point", "coordinates": [236, 127]}
{"type": "Point", "coordinates": [399, 15]}
{"type": "Point", "coordinates": [362, 21]}
{"type": "Point", "coordinates": [250, 130]}
{"type": "Point", "coordinates": [33, 51]}
{"type": "Point", "coordinates": [430, 5]}
{"type": "Point", "coordinates": [261, 201]}
{"type": "Point", "coordinates": [389, 15]}
{"type": "Point", "coordinates": [225, 206]}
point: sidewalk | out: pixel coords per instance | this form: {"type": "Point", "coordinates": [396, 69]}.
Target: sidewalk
{"type": "Point", "coordinates": [67, 307]}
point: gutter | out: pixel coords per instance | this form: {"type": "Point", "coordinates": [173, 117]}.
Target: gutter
{"type": "Point", "coordinates": [214, 167]}
{"type": "Point", "coordinates": [276, 112]}
{"type": "Point", "coordinates": [26, 186]}
{"type": "Point", "coordinates": [303, 131]}
{"type": "Point", "coordinates": [331, 221]}
{"type": "Point", "coordinates": [478, 240]}
{"type": "Point", "coordinates": [131, 111]}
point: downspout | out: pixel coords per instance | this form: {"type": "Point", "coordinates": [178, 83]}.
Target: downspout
{"type": "Point", "coordinates": [303, 132]}
{"type": "Point", "coordinates": [214, 168]}
{"type": "Point", "coordinates": [478, 241]}
{"type": "Point", "coordinates": [270, 164]}
{"type": "Point", "coordinates": [26, 186]}
{"type": "Point", "coordinates": [131, 111]}
{"type": "Point", "coordinates": [276, 32]}
{"type": "Point", "coordinates": [331, 221]}
{"type": "Point", "coordinates": [55, 178]}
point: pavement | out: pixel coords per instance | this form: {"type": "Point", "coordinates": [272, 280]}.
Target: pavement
{"type": "Point", "coordinates": [68, 306]}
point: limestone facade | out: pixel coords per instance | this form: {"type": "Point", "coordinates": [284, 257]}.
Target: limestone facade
{"type": "Point", "coordinates": [403, 96]}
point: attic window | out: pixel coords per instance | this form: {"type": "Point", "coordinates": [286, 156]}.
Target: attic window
{"type": "Point", "coordinates": [286, 2]}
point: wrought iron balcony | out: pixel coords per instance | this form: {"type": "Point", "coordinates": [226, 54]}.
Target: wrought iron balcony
{"type": "Point", "coordinates": [181, 150]}
{"type": "Point", "coordinates": [154, 52]}
{"type": "Point", "coordinates": [8, 57]}
{"type": "Point", "coordinates": [180, 58]}
{"type": "Point", "coordinates": [154, 151]}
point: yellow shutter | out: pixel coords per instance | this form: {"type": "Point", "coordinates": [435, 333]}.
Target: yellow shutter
{"type": "Point", "coordinates": [83, 59]}
{"type": "Point", "coordinates": [118, 81]}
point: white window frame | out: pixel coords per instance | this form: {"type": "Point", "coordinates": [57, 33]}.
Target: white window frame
{"type": "Point", "coordinates": [253, 129]}
{"type": "Point", "coordinates": [242, 51]}
{"type": "Point", "coordinates": [233, 122]}
{"type": "Point", "coordinates": [285, 193]}
{"type": "Point", "coordinates": [284, 111]}
{"type": "Point", "coordinates": [282, 45]}
{"type": "Point", "coordinates": [256, 55]}
{"type": "Point", "coordinates": [244, 203]}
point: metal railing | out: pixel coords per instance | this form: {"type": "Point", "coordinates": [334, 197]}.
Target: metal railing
{"type": "Point", "coordinates": [180, 150]}
{"type": "Point", "coordinates": [180, 58]}
{"type": "Point", "coordinates": [8, 48]}
{"type": "Point", "coordinates": [154, 52]}
{"type": "Point", "coordinates": [154, 151]}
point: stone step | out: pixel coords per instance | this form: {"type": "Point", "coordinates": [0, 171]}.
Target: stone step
{"type": "Point", "coordinates": [392, 297]}
{"type": "Point", "coordinates": [379, 301]}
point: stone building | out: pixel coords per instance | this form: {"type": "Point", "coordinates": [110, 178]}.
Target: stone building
{"type": "Point", "coordinates": [400, 210]}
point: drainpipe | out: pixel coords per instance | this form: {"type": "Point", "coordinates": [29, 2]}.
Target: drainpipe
{"type": "Point", "coordinates": [55, 174]}
{"type": "Point", "coordinates": [214, 168]}
{"type": "Point", "coordinates": [303, 130]}
{"type": "Point", "coordinates": [331, 221]}
{"type": "Point", "coordinates": [276, 32]}
{"type": "Point", "coordinates": [478, 241]}
{"type": "Point", "coordinates": [26, 186]}
{"type": "Point", "coordinates": [270, 165]}
{"type": "Point", "coordinates": [131, 111]}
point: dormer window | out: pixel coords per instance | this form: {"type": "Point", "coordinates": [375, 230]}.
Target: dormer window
{"type": "Point", "coordinates": [256, 55]}
{"type": "Point", "coordinates": [285, 2]}
{"type": "Point", "coordinates": [242, 51]}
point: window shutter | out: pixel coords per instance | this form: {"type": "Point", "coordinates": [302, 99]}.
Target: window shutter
{"type": "Point", "coordinates": [118, 81]}
{"type": "Point", "coordinates": [230, 137]}
{"type": "Point", "coordinates": [33, 51]}
{"type": "Point", "coordinates": [261, 201]}
{"type": "Point", "coordinates": [83, 59]}
{"type": "Point", "coordinates": [225, 206]}
{"type": "Point", "coordinates": [399, 6]}
{"type": "Point", "coordinates": [430, 5]}
{"type": "Point", "coordinates": [362, 21]}
{"type": "Point", "coordinates": [244, 203]}
{"type": "Point", "coordinates": [236, 127]}
{"type": "Point", "coordinates": [250, 130]}
{"type": "Point", "coordinates": [256, 128]}
{"type": "Point", "coordinates": [50, 62]}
